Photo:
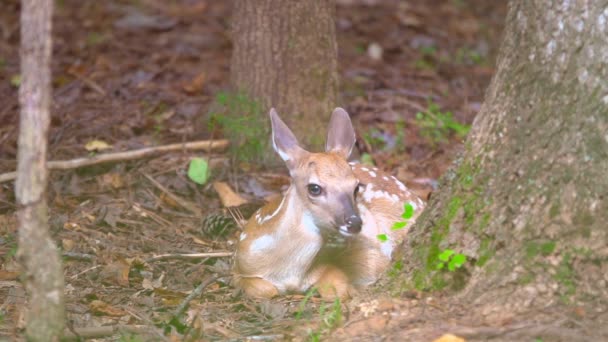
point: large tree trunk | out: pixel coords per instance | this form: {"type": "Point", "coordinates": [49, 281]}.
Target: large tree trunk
{"type": "Point", "coordinates": [285, 56]}
{"type": "Point", "coordinates": [528, 200]}
{"type": "Point", "coordinates": [43, 272]}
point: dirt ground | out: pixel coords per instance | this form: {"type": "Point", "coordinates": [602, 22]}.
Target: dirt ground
{"type": "Point", "coordinates": [144, 73]}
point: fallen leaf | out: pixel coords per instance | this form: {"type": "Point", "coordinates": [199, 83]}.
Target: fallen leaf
{"type": "Point", "coordinates": [116, 273]}
{"type": "Point", "coordinates": [67, 244]}
{"type": "Point", "coordinates": [449, 338]}
{"type": "Point", "coordinates": [195, 85]}
{"type": "Point", "coordinates": [227, 196]}
{"type": "Point", "coordinates": [102, 308]}
{"type": "Point", "coordinates": [8, 275]}
{"type": "Point", "coordinates": [113, 179]}
{"type": "Point", "coordinates": [97, 145]}
{"type": "Point", "coordinates": [198, 170]}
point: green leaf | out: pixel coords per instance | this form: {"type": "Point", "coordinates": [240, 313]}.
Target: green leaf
{"type": "Point", "coordinates": [445, 255]}
{"type": "Point", "coordinates": [398, 225]}
{"type": "Point", "coordinates": [458, 260]}
{"type": "Point", "coordinates": [367, 159]}
{"type": "Point", "coordinates": [408, 211]}
{"type": "Point", "coordinates": [440, 265]}
{"type": "Point", "coordinates": [382, 237]}
{"type": "Point", "coordinates": [16, 80]}
{"type": "Point", "coordinates": [198, 171]}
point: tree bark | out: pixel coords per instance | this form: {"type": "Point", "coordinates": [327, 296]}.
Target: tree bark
{"type": "Point", "coordinates": [528, 201]}
{"type": "Point", "coordinates": [285, 56]}
{"type": "Point", "coordinates": [37, 252]}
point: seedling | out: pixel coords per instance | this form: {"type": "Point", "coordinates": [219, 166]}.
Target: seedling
{"type": "Point", "coordinates": [242, 121]}
{"type": "Point", "coordinates": [437, 126]}
{"type": "Point", "coordinates": [450, 259]}
{"type": "Point", "coordinates": [198, 171]}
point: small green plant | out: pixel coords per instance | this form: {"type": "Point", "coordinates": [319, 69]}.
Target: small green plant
{"type": "Point", "coordinates": [374, 139]}
{"type": "Point", "coordinates": [243, 122]}
{"type": "Point", "coordinates": [450, 259]}
{"type": "Point", "coordinates": [465, 55]}
{"type": "Point", "coordinates": [302, 305]}
{"type": "Point", "coordinates": [436, 126]}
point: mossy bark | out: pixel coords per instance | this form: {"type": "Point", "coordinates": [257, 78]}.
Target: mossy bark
{"type": "Point", "coordinates": [527, 203]}
{"type": "Point", "coordinates": [285, 56]}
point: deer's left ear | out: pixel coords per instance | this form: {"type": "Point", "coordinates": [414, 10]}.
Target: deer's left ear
{"type": "Point", "coordinates": [340, 135]}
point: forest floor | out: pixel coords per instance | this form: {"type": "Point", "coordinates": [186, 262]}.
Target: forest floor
{"type": "Point", "coordinates": [133, 74]}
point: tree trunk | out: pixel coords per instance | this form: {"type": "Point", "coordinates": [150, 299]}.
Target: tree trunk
{"type": "Point", "coordinates": [37, 252]}
{"type": "Point", "coordinates": [528, 201]}
{"type": "Point", "coordinates": [285, 56]}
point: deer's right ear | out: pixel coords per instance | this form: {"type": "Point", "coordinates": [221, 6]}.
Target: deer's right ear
{"type": "Point", "coordinates": [284, 142]}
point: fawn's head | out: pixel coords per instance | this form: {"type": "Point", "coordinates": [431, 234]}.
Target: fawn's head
{"type": "Point", "coordinates": [324, 182]}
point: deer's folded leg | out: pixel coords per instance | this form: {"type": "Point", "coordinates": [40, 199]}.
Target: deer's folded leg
{"type": "Point", "coordinates": [257, 287]}
{"type": "Point", "coordinates": [333, 283]}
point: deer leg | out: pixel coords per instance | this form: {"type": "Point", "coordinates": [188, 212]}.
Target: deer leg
{"type": "Point", "coordinates": [332, 283]}
{"type": "Point", "coordinates": [257, 288]}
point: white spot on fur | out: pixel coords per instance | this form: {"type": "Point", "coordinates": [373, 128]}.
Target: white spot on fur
{"type": "Point", "coordinates": [262, 243]}
{"type": "Point", "coordinates": [243, 236]}
{"type": "Point", "coordinates": [364, 169]}
{"type": "Point", "coordinates": [401, 186]}
{"type": "Point", "coordinates": [274, 213]}
{"type": "Point", "coordinates": [385, 178]}
{"type": "Point", "coordinates": [309, 224]}
{"type": "Point", "coordinates": [387, 248]}
{"type": "Point", "coordinates": [372, 173]}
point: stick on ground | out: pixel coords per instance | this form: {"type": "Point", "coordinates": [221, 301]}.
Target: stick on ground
{"type": "Point", "coordinates": [205, 145]}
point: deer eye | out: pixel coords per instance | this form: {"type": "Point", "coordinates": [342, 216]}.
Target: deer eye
{"type": "Point", "coordinates": [314, 189]}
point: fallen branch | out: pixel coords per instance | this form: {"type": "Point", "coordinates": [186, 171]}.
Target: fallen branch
{"type": "Point", "coordinates": [205, 145]}
{"type": "Point", "coordinates": [195, 293]}
{"type": "Point", "coordinates": [185, 204]}
{"type": "Point", "coordinates": [189, 256]}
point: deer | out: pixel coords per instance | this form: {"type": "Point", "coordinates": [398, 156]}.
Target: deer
{"type": "Point", "coordinates": [324, 232]}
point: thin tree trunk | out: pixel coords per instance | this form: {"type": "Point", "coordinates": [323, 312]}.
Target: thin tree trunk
{"type": "Point", "coordinates": [528, 201]}
{"type": "Point", "coordinates": [37, 252]}
{"type": "Point", "coordinates": [285, 56]}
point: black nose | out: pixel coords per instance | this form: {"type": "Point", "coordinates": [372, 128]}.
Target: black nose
{"type": "Point", "coordinates": [354, 224]}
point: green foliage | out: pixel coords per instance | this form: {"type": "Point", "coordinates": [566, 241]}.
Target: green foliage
{"type": "Point", "coordinates": [437, 126]}
{"type": "Point", "coordinates": [243, 122]}
{"type": "Point", "coordinates": [427, 60]}
{"type": "Point", "coordinates": [374, 139]}
{"type": "Point", "coordinates": [302, 306]}
{"type": "Point", "coordinates": [465, 55]}
{"type": "Point", "coordinates": [329, 316]}
{"type": "Point", "coordinates": [408, 213]}
{"type": "Point", "coordinates": [452, 259]}
{"type": "Point", "coordinates": [367, 159]}
{"type": "Point", "coordinates": [198, 171]}
{"type": "Point", "coordinates": [382, 237]}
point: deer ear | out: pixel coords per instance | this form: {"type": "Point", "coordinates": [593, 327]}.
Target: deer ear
{"type": "Point", "coordinates": [284, 142]}
{"type": "Point", "coordinates": [341, 135]}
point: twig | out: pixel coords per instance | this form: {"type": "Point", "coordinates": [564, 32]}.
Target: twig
{"type": "Point", "coordinates": [78, 256]}
{"type": "Point", "coordinates": [197, 292]}
{"type": "Point", "coordinates": [85, 271]}
{"type": "Point", "coordinates": [205, 145]}
{"type": "Point", "coordinates": [103, 331]}
{"type": "Point", "coordinates": [189, 256]}
{"type": "Point", "coordinates": [187, 205]}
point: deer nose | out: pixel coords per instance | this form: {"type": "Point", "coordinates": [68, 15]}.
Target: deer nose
{"type": "Point", "coordinates": [353, 223]}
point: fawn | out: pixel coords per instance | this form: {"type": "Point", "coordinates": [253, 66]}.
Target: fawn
{"type": "Point", "coordinates": [324, 231]}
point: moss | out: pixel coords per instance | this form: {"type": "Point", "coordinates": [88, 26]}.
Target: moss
{"type": "Point", "coordinates": [565, 276]}
{"type": "Point", "coordinates": [526, 278]}
{"type": "Point", "coordinates": [485, 251]}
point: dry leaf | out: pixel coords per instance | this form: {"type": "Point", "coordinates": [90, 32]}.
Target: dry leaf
{"type": "Point", "coordinates": [101, 308]}
{"type": "Point", "coordinates": [116, 273]}
{"type": "Point", "coordinates": [449, 338]}
{"type": "Point", "coordinates": [228, 197]}
{"type": "Point", "coordinates": [8, 275]}
{"type": "Point", "coordinates": [195, 85]}
{"type": "Point", "coordinates": [113, 179]}
{"type": "Point", "coordinates": [97, 145]}
{"type": "Point", "coordinates": [67, 244]}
